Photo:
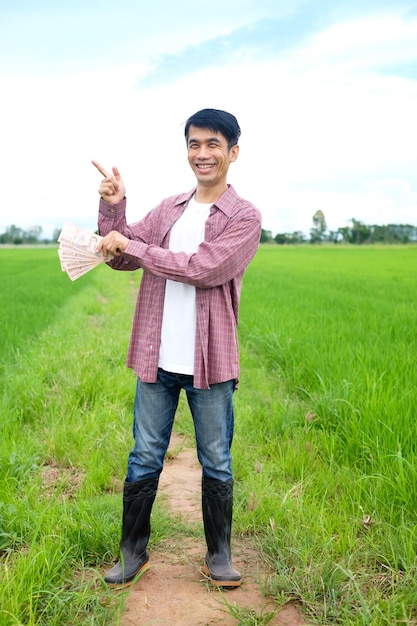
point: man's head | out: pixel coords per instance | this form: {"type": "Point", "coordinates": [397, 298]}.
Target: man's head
{"type": "Point", "coordinates": [217, 121]}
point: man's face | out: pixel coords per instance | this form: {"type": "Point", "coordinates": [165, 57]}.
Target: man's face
{"type": "Point", "coordinates": [209, 156]}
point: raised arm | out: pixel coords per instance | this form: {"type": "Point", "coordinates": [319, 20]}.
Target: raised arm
{"type": "Point", "coordinates": [112, 190]}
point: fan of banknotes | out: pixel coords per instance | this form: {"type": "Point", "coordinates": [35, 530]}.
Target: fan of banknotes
{"type": "Point", "coordinates": [78, 251]}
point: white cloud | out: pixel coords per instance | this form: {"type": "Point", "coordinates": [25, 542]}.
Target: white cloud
{"type": "Point", "coordinates": [321, 129]}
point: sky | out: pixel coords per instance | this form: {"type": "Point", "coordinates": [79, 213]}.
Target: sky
{"type": "Point", "coordinates": [325, 92]}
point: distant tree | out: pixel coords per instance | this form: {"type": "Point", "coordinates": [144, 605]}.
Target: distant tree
{"type": "Point", "coordinates": [281, 238]}
{"type": "Point", "coordinates": [15, 234]}
{"type": "Point", "coordinates": [317, 233]}
{"type": "Point", "coordinates": [361, 233]}
{"type": "Point", "coordinates": [402, 233]}
{"type": "Point", "coordinates": [344, 232]}
{"type": "Point", "coordinates": [379, 234]}
{"type": "Point", "coordinates": [32, 235]}
{"type": "Point", "coordinates": [357, 232]}
{"type": "Point", "coordinates": [266, 236]}
{"type": "Point", "coordinates": [289, 238]}
{"type": "Point", "coordinates": [297, 237]}
{"type": "Point", "coordinates": [334, 236]}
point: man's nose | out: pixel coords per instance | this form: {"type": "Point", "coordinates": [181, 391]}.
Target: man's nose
{"type": "Point", "coordinates": [203, 152]}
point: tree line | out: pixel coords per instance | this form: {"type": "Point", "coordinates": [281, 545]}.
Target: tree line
{"type": "Point", "coordinates": [33, 235]}
{"type": "Point", "coordinates": [356, 232]}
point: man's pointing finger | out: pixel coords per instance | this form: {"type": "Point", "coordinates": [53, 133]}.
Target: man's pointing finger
{"type": "Point", "coordinates": [101, 169]}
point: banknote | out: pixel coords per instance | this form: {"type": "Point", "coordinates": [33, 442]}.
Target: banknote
{"type": "Point", "coordinates": [78, 251]}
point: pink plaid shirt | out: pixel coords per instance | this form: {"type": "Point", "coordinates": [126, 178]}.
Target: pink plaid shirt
{"type": "Point", "coordinates": [231, 239]}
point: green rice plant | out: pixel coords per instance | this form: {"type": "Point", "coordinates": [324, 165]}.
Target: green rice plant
{"type": "Point", "coordinates": [34, 290]}
{"type": "Point", "coordinates": [324, 447]}
{"type": "Point", "coordinates": [66, 402]}
{"type": "Point", "coordinates": [332, 332]}
{"type": "Point", "coordinates": [64, 439]}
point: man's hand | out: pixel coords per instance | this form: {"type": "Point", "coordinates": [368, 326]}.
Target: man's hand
{"type": "Point", "coordinates": [112, 188]}
{"type": "Point", "coordinates": [113, 243]}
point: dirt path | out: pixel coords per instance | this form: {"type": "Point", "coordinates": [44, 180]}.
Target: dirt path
{"type": "Point", "coordinates": [173, 591]}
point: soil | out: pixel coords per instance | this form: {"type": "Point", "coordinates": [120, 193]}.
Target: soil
{"type": "Point", "coordinates": [173, 591]}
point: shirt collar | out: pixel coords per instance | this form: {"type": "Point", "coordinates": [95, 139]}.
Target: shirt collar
{"type": "Point", "coordinates": [226, 203]}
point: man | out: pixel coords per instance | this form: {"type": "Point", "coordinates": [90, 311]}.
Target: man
{"type": "Point", "coordinates": [193, 249]}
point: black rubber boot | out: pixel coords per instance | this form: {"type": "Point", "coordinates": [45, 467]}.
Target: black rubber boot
{"type": "Point", "coordinates": [138, 499]}
{"type": "Point", "coordinates": [217, 504]}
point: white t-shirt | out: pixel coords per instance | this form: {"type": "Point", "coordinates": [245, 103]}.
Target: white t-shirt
{"type": "Point", "coordinates": [176, 353]}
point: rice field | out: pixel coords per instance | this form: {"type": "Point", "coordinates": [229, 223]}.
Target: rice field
{"type": "Point", "coordinates": [324, 452]}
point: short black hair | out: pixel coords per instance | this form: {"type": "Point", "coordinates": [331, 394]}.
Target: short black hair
{"type": "Point", "coordinates": [217, 121]}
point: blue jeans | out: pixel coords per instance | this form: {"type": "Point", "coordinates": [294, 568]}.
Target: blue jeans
{"type": "Point", "coordinates": [155, 407]}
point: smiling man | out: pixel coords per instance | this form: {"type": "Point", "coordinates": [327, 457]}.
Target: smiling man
{"type": "Point", "coordinates": [193, 249]}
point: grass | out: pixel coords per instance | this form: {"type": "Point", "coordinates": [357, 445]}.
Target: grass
{"type": "Point", "coordinates": [324, 450]}
{"type": "Point", "coordinates": [333, 334]}
{"type": "Point", "coordinates": [249, 617]}
{"type": "Point", "coordinates": [66, 406]}
{"type": "Point", "coordinates": [33, 293]}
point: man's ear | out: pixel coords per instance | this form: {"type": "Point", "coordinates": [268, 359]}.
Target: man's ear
{"type": "Point", "coordinates": [234, 152]}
